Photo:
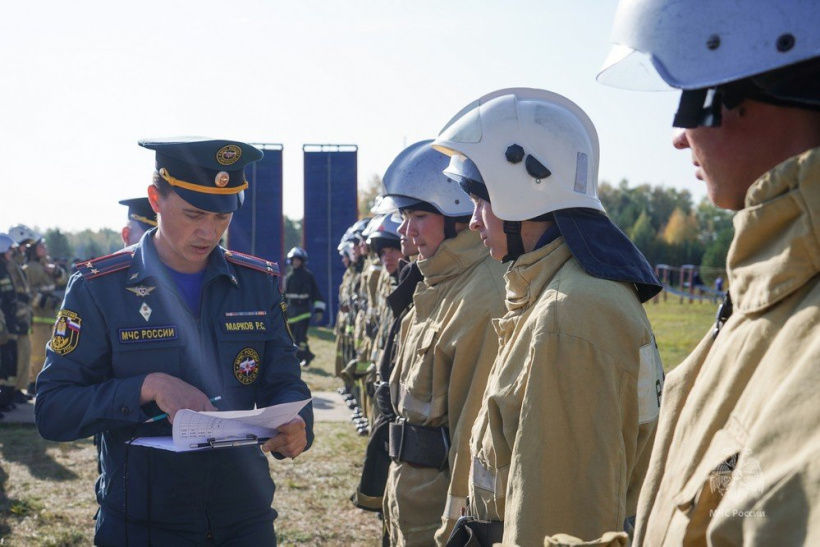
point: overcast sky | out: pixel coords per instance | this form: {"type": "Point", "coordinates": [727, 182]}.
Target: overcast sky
{"type": "Point", "coordinates": [84, 80]}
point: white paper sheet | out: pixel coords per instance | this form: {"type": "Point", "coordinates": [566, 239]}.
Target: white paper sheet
{"type": "Point", "coordinates": [193, 430]}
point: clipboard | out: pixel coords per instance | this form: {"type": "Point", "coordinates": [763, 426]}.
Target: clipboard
{"type": "Point", "coordinates": [194, 431]}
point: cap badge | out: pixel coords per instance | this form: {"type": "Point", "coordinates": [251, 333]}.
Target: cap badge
{"type": "Point", "coordinates": [229, 154]}
{"type": "Point", "coordinates": [222, 179]}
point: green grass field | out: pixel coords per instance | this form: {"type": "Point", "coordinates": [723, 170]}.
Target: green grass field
{"type": "Point", "coordinates": [47, 488]}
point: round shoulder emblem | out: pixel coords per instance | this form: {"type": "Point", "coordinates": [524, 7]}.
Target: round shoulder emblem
{"type": "Point", "coordinates": [246, 366]}
{"type": "Point", "coordinates": [229, 154]}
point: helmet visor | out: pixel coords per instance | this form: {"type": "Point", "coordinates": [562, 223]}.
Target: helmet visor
{"type": "Point", "coordinates": [628, 68]}
{"type": "Point", "coordinates": [385, 206]}
{"type": "Point", "coordinates": [461, 167]}
{"type": "Point", "coordinates": [466, 129]}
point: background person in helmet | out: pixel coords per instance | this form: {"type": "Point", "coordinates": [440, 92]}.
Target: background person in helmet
{"type": "Point", "coordinates": [563, 436]}
{"type": "Point", "coordinates": [736, 459]}
{"type": "Point", "coordinates": [348, 292]}
{"type": "Point", "coordinates": [445, 350]}
{"type": "Point", "coordinates": [345, 249]}
{"type": "Point", "coordinates": [355, 304]}
{"type": "Point", "coordinates": [361, 367]}
{"type": "Point", "coordinates": [46, 281]}
{"type": "Point", "coordinates": [21, 235]}
{"type": "Point", "coordinates": [8, 327]}
{"type": "Point", "coordinates": [304, 301]}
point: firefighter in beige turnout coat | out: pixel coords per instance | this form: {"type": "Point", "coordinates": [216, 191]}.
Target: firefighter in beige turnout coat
{"type": "Point", "coordinates": [562, 439]}
{"type": "Point", "coordinates": [737, 454]}
{"type": "Point", "coordinates": [446, 347]}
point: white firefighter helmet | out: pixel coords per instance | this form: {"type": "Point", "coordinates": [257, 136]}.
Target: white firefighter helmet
{"type": "Point", "coordinates": [702, 43]}
{"type": "Point", "coordinates": [6, 243]}
{"type": "Point", "coordinates": [535, 150]}
{"type": "Point", "coordinates": [416, 175]}
{"type": "Point", "coordinates": [383, 231]}
{"type": "Point", "coordinates": [22, 234]}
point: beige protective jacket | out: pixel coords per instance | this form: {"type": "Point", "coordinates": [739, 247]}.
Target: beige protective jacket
{"type": "Point", "coordinates": [387, 284]}
{"type": "Point", "coordinates": [562, 439]}
{"type": "Point", "coordinates": [343, 328]}
{"type": "Point", "coordinates": [446, 348]}
{"type": "Point", "coordinates": [42, 283]}
{"type": "Point", "coordinates": [747, 400]}
{"type": "Point", "coordinates": [366, 319]}
{"type": "Point", "coordinates": [18, 278]}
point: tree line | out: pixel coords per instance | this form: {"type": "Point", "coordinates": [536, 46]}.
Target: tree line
{"type": "Point", "coordinates": [666, 225]}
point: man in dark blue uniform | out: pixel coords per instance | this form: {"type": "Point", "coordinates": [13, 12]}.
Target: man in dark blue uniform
{"type": "Point", "coordinates": [169, 324]}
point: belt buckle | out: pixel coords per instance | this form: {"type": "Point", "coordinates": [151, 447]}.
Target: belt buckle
{"type": "Point", "coordinates": [446, 441]}
{"type": "Point", "coordinates": [400, 451]}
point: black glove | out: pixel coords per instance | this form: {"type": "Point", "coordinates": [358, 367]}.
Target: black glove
{"type": "Point", "coordinates": [318, 315]}
{"type": "Point", "coordinates": [383, 402]}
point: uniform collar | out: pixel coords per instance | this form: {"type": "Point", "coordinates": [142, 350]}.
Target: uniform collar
{"type": "Point", "coordinates": [776, 248]}
{"type": "Point", "coordinates": [453, 256]}
{"type": "Point", "coordinates": [146, 263]}
{"type": "Point", "coordinates": [527, 277]}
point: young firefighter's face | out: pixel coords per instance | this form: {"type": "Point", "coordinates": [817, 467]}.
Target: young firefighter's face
{"type": "Point", "coordinates": [425, 230]}
{"type": "Point", "coordinates": [489, 227]}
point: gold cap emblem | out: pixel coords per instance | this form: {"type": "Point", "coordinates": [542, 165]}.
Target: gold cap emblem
{"type": "Point", "coordinates": [229, 154]}
{"type": "Point", "coordinates": [222, 179]}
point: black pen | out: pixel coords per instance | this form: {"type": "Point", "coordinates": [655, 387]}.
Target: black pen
{"type": "Point", "coordinates": [225, 443]}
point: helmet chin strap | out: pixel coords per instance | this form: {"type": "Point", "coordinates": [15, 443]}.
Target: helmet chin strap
{"type": "Point", "coordinates": [449, 228]}
{"type": "Point", "coordinates": [515, 245]}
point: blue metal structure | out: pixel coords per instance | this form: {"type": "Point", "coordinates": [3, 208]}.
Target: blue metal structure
{"type": "Point", "coordinates": [330, 207]}
{"type": "Point", "coordinates": [258, 226]}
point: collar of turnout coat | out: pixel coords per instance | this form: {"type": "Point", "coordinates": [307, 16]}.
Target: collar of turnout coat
{"type": "Point", "coordinates": [776, 249]}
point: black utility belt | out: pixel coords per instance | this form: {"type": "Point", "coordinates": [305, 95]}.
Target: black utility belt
{"type": "Point", "coordinates": [471, 532]}
{"type": "Point", "coordinates": [419, 445]}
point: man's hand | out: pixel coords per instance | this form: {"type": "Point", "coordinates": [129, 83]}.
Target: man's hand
{"type": "Point", "coordinates": [291, 440]}
{"type": "Point", "coordinates": [172, 394]}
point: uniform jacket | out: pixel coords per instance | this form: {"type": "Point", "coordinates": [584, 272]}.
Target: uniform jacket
{"type": "Point", "coordinates": [8, 301]}
{"type": "Point", "coordinates": [301, 291]}
{"type": "Point", "coordinates": [122, 319]}
{"type": "Point", "coordinates": [446, 347]}
{"type": "Point", "coordinates": [366, 319]}
{"type": "Point", "coordinates": [737, 455]}
{"type": "Point", "coordinates": [43, 284]}
{"type": "Point", "coordinates": [563, 436]}
{"type": "Point", "coordinates": [24, 312]}
{"type": "Point", "coordinates": [383, 313]}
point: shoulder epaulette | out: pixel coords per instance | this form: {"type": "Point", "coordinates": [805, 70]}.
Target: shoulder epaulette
{"type": "Point", "coordinates": [105, 264]}
{"type": "Point", "coordinates": [255, 263]}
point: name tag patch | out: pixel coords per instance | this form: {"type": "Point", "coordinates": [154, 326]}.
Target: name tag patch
{"type": "Point", "coordinates": [148, 334]}
{"type": "Point", "coordinates": [245, 326]}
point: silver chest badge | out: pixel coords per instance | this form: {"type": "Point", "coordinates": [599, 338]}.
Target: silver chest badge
{"type": "Point", "coordinates": [141, 290]}
{"type": "Point", "coordinates": [145, 311]}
